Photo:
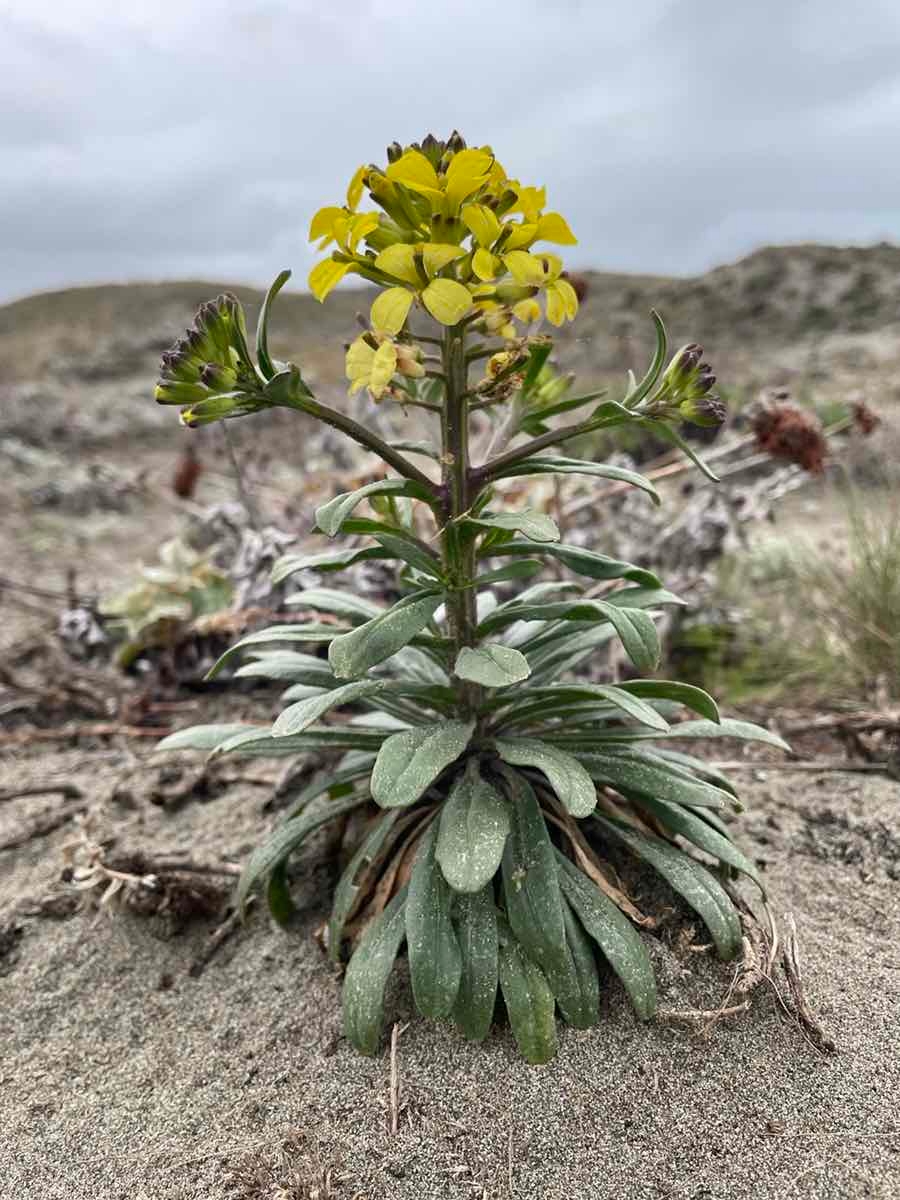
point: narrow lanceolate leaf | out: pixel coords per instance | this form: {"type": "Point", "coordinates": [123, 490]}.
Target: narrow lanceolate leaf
{"type": "Point", "coordinates": [727, 727]}
{"type": "Point", "coordinates": [568, 778]}
{"type": "Point", "coordinates": [473, 828]}
{"type": "Point", "coordinates": [543, 702]}
{"type": "Point", "coordinates": [262, 328]}
{"type": "Point", "coordinates": [203, 737]}
{"type": "Point", "coordinates": [288, 666]}
{"type": "Point", "coordinates": [306, 712]}
{"type": "Point", "coordinates": [286, 839]}
{"type": "Point", "coordinates": [695, 829]}
{"type": "Point", "coordinates": [692, 881]}
{"type": "Point", "coordinates": [354, 653]}
{"type": "Point", "coordinates": [278, 895]}
{"type": "Point", "coordinates": [327, 560]}
{"type": "Point", "coordinates": [331, 516]}
{"type": "Point", "coordinates": [582, 562]}
{"type": "Point", "coordinates": [530, 885]}
{"type": "Point", "coordinates": [435, 961]}
{"type": "Point", "coordinates": [261, 744]}
{"type": "Point", "coordinates": [637, 633]}
{"type": "Point", "coordinates": [529, 1003]}
{"type": "Point", "coordinates": [641, 771]}
{"type": "Point", "coordinates": [577, 466]}
{"type": "Point", "coordinates": [411, 553]}
{"type": "Point", "coordinates": [367, 974]}
{"type": "Point", "coordinates": [534, 525]}
{"type": "Point", "coordinates": [409, 762]}
{"type": "Point", "coordinates": [614, 934]}
{"type": "Point", "coordinates": [346, 893]}
{"type": "Point", "coordinates": [681, 693]}
{"type": "Point", "coordinates": [475, 920]}
{"type": "Point", "coordinates": [340, 604]}
{"type": "Point", "coordinates": [492, 665]}
{"type": "Point", "coordinates": [311, 632]}
{"type": "Point", "coordinates": [525, 568]}
{"type": "Point", "coordinates": [581, 1005]}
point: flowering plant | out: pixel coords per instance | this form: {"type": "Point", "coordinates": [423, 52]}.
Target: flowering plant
{"type": "Point", "coordinates": [487, 774]}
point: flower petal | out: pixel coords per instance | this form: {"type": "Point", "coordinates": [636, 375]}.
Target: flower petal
{"type": "Point", "coordinates": [486, 265]}
{"type": "Point", "coordinates": [399, 260]}
{"type": "Point", "coordinates": [322, 224]}
{"type": "Point", "coordinates": [520, 237]}
{"type": "Point", "coordinates": [389, 312]}
{"type": "Point", "coordinates": [482, 223]}
{"type": "Point", "coordinates": [384, 364]}
{"type": "Point", "coordinates": [570, 297]}
{"type": "Point", "coordinates": [556, 305]}
{"type": "Point", "coordinates": [447, 301]}
{"type": "Point", "coordinates": [553, 227]}
{"type": "Point", "coordinates": [326, 275]}
{"type": "Point", "coordinates": [358, 363]}
{"type": "Point", "coordinates": [355, 187]}
{"type": "Point", "coordinates": [527, 311]}
{"type": "Point", "coordinates": [413, 169]}
{"type": "Point", "coordinates": [524, 267]}
{"type": "Point", "coordinates": [436, 256]}
{"type": "Point", "coordinates": [467, 171]}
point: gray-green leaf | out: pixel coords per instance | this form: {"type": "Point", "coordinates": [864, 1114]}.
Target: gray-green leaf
{"type": "Point", "coordinates": [435, 961]}
{"type": "Point", "coordinates": [354, 653]}
{"type": "Point", "coordinates": [568, 778]}
{"type": "Point", "coordinates": [492, 665]}
{"type": "Point", "coordinates": [475, 919]}
{"type": "Point", "coordinates": [306, 712]}
{"type": "Point", "coordinates": [203, 737]}
{"type": "Point", "coordinates": [409, 762]}
{"type": "Point", "coordinates": [367, 974]}
{"type": "Point", "coordinates": [473, 829]}
{"type": "Point", "coordinates": [531, 524]}
{"type": "Point", "coordinates": [331, 516]}
{"type": "Point", "coordinates": [529, 1003]}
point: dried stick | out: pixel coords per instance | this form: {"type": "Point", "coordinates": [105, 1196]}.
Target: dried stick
{"type": "Point", "coordinates": [217, 938]}
{"type": "Point", "coordinates": [790, 961]}
{"type": "Point", "coordinates": [69, 790]}
{"type": "Point", "coordinates": [824, 765]}
{"type": "Point", "coordinates": [395, 1077]}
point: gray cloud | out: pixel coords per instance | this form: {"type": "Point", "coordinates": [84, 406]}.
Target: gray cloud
{"type": "Point", "coordinates": [160, 139]}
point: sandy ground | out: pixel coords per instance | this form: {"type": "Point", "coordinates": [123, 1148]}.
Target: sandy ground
{"type": "Point", "coordinates": [125, 1077]}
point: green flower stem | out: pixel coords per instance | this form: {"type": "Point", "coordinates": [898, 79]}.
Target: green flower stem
{"type": "Point", "coordinates": [479, 476]}
{"type": "Point", "coordinates": [458, 545]}
{"type": "Point", "coordinates": [371, 441]}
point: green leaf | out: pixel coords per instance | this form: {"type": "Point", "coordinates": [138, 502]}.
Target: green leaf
{"type": "Point", "coordinates": [425, 448]}
{"type": "Point", "coordinates": [529, 1003]}
{"type": "Point", "coordinates": [696, 766]}
{"type": "Point", "coordinates": [568, 778]}
{"type": "Point", "coordinates": [581, 1007]}
{"type": "Point", "coordinates": [614, 934]}
{"type": "Point", "coordinates": [727, 727]}
{"type": "Point", "coordinates": [354, 653]}
{"type": "Point", "coordinates": [691, 880]}
{"type": "Point", "coordinates": [311, 632]}
{"type": "Point", "coordinates": [203, 737]}
{"type": "Point", "coordinates": [525, 568]}
{"type": "Point", "coordinates": [411, 553]}
{"type": "Point", "coordinates": [278, 896]}
{"type": "Point", "coordinates": [261, 744]}
{"type": "Point", "coordinates": [682, 693]}
{"type": "Point", "coordinates": [577, 466]}
{"type": "Point", "coordinates": [637, 634]}
{"type": "Point", "coordinates": [367, 974]}
{"type": "Point", "coordinates": [435, 961]}
{"type": "Point", "coordinates": [538, 353]}
{"type": "Point", "coordinates": [335, 785]}
{"type": "Point", "coordinates": [262, 328]}
{"type": "Point", "coordinates": [547, 702]}
{"type": "Point", "coordinates": [535, 422]}
{"type": "Point", "coordinates": [671, 435]}
{"type": "Point", "coordinates": [341, 604]}
{"type": "Point", "coordinates": [534, 525]}
{"type": "Point", "coordinates": [285, 840]}
{"type": "Point", "coordinates": [530, 886]}
{"type": "Point", "coordinates": [331, 516]}
{"type": "Point", "coordinates": [644, 772]}
{"type": "Point", "coordinates": [287, 666]}
{"type": "Point", "coordinates": [492, 665]}
{"type": "Point", "coordinates": [300, 716]}
{"type": "Point", "coordinates": [473, 829]}
{"type": "Point", "coordinates": [639, 391]}
{"type": "Point", "coordinates": [691, 826]}
{"type": "Point", "coordinates": [327, 560]}
{"type": "Point", "coordinates": [582, 562]}
{"type": "Point", "coordinates": [347, 890]}
{"type": "Point", "coordinates": [409, 762]}
{"type": "Point", "coordinates": [475, 920]}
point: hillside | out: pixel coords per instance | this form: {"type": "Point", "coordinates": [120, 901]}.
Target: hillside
{"type": "Point", "coordinates": [806, 315]}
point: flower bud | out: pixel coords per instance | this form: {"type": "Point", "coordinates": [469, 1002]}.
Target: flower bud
{"type": "Point", "coordinates": [214, 408]}
{"type": "Point", "coordinates": [394, 151]}
{"type": "Point", "coordinates": [512, 293]}
{"type": "Point", "coordinates": [683, 365]}
{"type": "Point", "coordinates": [179, 392]}
{"type": "Point", "coordinates": [455, 142]}
{"type": "Point", "coordinates": [218, 377]}
{"type": "Point", "coordinates": [707, 411]}
{"type": "Point", "coordinates": [409, 360]}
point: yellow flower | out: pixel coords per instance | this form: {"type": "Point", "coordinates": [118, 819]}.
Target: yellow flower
{"type": "Point", "coordinates": [543, 271]}
{"type": "Point", "coordinates": [368, 367]}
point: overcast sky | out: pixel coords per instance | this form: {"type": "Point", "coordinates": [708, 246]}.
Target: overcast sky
{"type": "Point", "coordinates": [167, 138]}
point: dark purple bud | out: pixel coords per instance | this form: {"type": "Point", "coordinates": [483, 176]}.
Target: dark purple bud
{"type": "Point", "coordinates": [394, 151]}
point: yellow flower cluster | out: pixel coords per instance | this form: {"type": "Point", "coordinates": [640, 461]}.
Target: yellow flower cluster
{"type": "Point", "coordinates": [452, 233]}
